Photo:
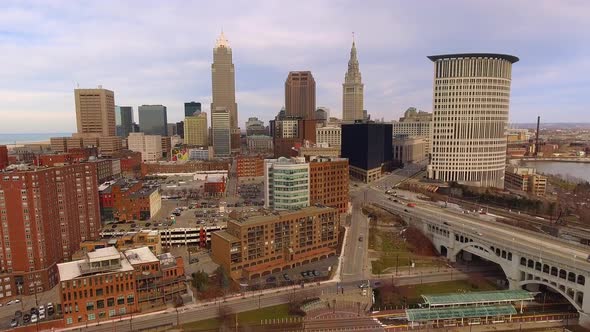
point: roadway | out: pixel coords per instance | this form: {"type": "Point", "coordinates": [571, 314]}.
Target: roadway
{"type": "Point", "coordinates": [354, 261]}
{"type": "Point", "coordinates": [512, 237]}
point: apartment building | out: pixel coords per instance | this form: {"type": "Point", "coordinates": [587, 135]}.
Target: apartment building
{"type": "Point", "coordinates": [271, 241]}
{"type": "Point", "coordinates": [45, 213]}
{"type": "Point", "coordinates": [250, 168]}
{"type": "Point", "coordinates": [286, 183]}
{"type": "Point", "coordinates": [328, 182]}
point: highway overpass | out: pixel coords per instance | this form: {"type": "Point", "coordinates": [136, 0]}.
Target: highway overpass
{"type": "Point", "coordinates": [526, 257]}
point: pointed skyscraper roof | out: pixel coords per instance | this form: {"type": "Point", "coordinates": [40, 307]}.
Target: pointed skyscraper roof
{"type": "Point", "coordinates": [222, 41]}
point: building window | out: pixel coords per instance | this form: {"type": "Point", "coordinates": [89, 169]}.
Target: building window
{"type": "Point", "coordinates": [130, 299]}
{"type": "Point", "coordinates": [91, 317]}
{"type": "Point", "coordinates": [112, 312]}
{"type": "Point", "coordinates": [89, 306]}
{"type": "Point", "coordinates": [69, 320]}
{"type": "Point", "coordinates": [111, 302]}
{"type": "Point", "coordinates": [121, 300]}
{"type": "Point", "coordinates": [100, 304]}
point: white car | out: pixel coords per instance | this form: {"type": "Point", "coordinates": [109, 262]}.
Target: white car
{"type": "Point", "coordinates": [41, 315]}
{"type": "Point", "coordinates": [41, 308]}
{"type": "Point", "coordinates": [34, 318]}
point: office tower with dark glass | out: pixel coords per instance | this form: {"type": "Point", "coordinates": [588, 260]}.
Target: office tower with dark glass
{"type": "Point", "coordinates": [470, 118]}
{"type": "Point", "coordinates": [124, 120]}
{"type": "Point", "coordinates": [153, 120]}
{"type": "Point", "coordinates": [300, 95]}
{"type": "Point", "coordinates": [192, 108]}
{"type": "Point", "coordinates": [368, 147]}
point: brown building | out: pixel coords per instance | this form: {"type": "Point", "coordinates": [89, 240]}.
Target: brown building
{"type": "Point", "coordinates": [525, 179]}
{"type": "Point", "coordinates": [101, 286]}
{"type": "Point", "coordinates": [45, 214]}
{"type": "Point", "coordinates": [271, 241]}
{"type": "Point", "coordinates": [328, 182]}
{"type": "Point", "coordinates": [3, 156]}
{"type": "Point", "coordinates": [292, 133]}
{"type": "Point", "coordinates": [215, 186]}
{"type": "Point", "coordinates": [130, 164]}
{"type": "Point", "coordinates": [166, 146]}
{"type": "Point", "coordinates": [95, 111]}
{"type": "Point", "coordinates": [183, 167]}
{"type": "Point", "coordinates": [309, 151]}
{"type": "Point", "coordinates": [158, 280]}
{"type": "Point", "coordinates": [128, 200]}
{"type": "Point", "coordinates": [300, 95]}
{"type": "Point", "coordinates": [250, 168]}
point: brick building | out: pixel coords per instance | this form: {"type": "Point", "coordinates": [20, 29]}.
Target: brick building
{"type": "Point", "coordinates": [45, 213]}
{"type": "Point", "coordinates": [183, 167]}
{"type": "Point", "coordinates": [250, 168]}
{"type": "Point", "coordinates": [158, 279]}
{"type": "Point", "coordinates": [267, 242]}
{"type": "Point", "coordinates": [215, 186]}
{"type": "Point", "coordinates": [101, 286]}
{"type": "Point", "coordinates": [127, 200]}
{"type": "Point", "coordinates": [328, 182]}
{"type": "Point", "coordinates": [130, 164]}
{"type": "Point", "coordinates": [3, 156]}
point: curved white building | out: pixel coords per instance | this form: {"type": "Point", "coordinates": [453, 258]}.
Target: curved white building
{"type": "Point", "coordinates": [470, 118]}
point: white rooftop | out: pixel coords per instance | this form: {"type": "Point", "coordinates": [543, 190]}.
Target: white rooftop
{"type": "Point", "coordinates": [71, 270]}
{"type": "Point", "coordinates": [103, 254]}
{"type": "Point", "coordinates": [140, 255]}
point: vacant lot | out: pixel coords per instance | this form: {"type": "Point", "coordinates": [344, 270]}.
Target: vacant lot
{"type": "Point", "coordinates": [392, 244]}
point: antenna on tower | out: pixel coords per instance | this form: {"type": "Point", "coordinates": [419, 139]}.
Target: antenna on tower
{"type": "Point", "coordinates": [353, 36]}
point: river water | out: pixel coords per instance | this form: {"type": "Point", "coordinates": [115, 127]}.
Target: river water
{"type": "Point", "coordinates": [567, 170]}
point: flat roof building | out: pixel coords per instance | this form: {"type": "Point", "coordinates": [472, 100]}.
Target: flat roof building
{"type": "Point", "coordinates": [268, 242]}
{"type": "Point", "coordinates": [153, 120]}
{"type": "Point", "coordinates": [368, 147]}
{"type": "Point", "coordinates": [286, 183]}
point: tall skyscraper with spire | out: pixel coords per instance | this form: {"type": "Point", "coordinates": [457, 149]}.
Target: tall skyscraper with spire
{"type": "Point", "coordinates": [224, 86]}
{"type": "Point", "coordinates": [352, 89]}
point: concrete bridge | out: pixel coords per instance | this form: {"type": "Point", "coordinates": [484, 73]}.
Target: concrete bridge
{"type": "Point", "coordinates": [528, 258]}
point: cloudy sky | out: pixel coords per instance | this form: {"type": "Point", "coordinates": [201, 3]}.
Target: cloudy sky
{"type": "Point", "coordinates": [160, 52]}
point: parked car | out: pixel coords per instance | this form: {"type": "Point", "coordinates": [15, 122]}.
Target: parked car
{"type": "Point", "coordinates": [286, 277]}
{"type": "Point", "coordinates": [18, 314]}
{"type": "Point", "coordinates": [34, 318]}
{"type": "Point", "coordinates": [316, 273]}
{"type": "Point", "coordinates": [14, 322]}
{"type": "Point", "coordinates": [26, 318]}
{"type": "Point", "coordinates": [41, 315]}
{"type": "Point", "coordinates": [304, 274]}
{"type": "Point", "coordinates": [271, 279]}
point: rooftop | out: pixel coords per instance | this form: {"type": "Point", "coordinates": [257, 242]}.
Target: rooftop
{"type": "Point", "coordinates": [74, 269]}
{"type": "Point", "coordinates": [101, 254]}
{"type": "Point", "coordinates": [140, 256]}
{"type": "Point", "coordinates": [507, 57]}
{"type": "Point", "coordinates": [478, 297]}
{"type": "Point", "coordinates": [417, 315]}
{"type": "Point", "coordinates": [227, 236]}
{"type": "Point", "coordinates": [264, 216]}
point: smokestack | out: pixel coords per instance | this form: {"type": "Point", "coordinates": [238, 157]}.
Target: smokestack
{"type": "Point", "coordinates": [537, 136]}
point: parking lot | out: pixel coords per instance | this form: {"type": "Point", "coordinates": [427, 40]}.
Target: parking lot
{"type": "Point", "coordinates": [18, 311]}
{"type": "Point", "coordinates": [295, 276]}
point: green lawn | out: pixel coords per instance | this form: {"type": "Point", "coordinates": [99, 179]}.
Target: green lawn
{"type": "Point", "coordinates": [394, 250]}
{"type": "Point", "coordinates": [244, 318]}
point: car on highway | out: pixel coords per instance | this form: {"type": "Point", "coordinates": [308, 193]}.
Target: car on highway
{"type": "Point", "coordinates": [364, 284]}
{"type": "Point", "coordinates": [412, 205]}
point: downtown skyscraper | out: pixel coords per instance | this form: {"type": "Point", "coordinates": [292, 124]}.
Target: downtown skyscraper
{"type": "Point", "coordinates": [352, 89]}
{"type": "Point", "coordinates": [300, 95]}
{"type": "Point", "coordinates": [224, 87]}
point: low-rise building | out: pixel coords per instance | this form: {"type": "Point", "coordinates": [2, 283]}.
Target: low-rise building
{"type": "Point", "coordinates": [267, 242]}
{"type": "Point", "coordinates": [202, 153]}
{"type": "Point", "coordinates": [309, 151]}
{"type": "Point", "coordinates": [525, 179]}
{"type": "Point", "coordinates": [132, 240]}
{"type": "Point", "coordinates": [330, 135]}
{"type": "Point", "coordinates": [158, 279]}
{"type": "Point", "coordinates": [127, 200]}
{"type": "Point", "coordinates": [215, 186]}
{"type": "Point", "coordinates": [100, 286]}
{"type": "Point", "coordinates": [183, 167]}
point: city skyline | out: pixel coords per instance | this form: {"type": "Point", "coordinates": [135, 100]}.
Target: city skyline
{"type": "Point", "coordinates": [37, 92]}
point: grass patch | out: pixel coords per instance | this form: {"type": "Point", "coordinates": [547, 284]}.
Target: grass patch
{"type": "Point", "coordinates": [394, 249]}
{"type": "Point", "coordinates": [411, 294]}
{"type": "Point", "coordinates": [252, 317]}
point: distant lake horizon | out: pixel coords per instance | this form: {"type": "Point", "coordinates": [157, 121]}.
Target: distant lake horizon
{"type": "Point", "coordinates": [23, 138]}
{"type": "Point", "coordinates": [571, 171]}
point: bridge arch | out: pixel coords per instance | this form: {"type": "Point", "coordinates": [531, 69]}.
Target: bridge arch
{"type": "Point", "coordinates": [572, 301]}
{"type": "Point", "coordinates": [485, 252]}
